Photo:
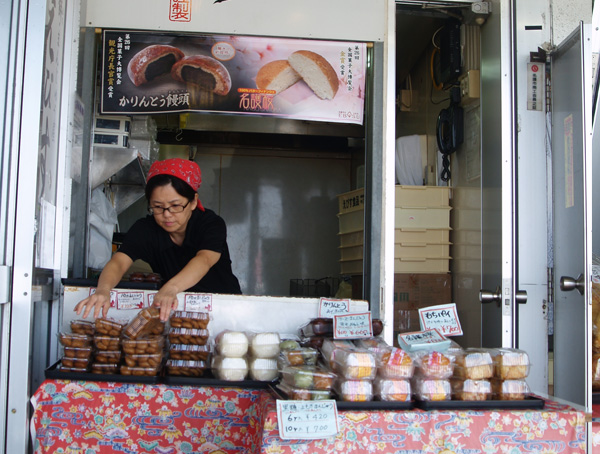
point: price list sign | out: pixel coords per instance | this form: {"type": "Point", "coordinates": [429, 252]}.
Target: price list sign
{"type": "Point", "coordinates": [328, 307]}
{"type": "Point", "coordinates": [352, 326]}
{"type": "Point", "coordinates": [443, 318]}
{"type": "Point", "coordinates": [306, 419]}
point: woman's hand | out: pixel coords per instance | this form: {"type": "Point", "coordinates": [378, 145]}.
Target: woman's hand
{"type": "Point", "coordinates": [166, 300]}
{"type": "Point", "coordinates": [99, 301]}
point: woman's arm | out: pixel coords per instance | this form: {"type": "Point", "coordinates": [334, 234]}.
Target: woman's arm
{"type": "Point", "coordinates": [112, 273]}
{"type": "Point", "coordinates": [196, 269]}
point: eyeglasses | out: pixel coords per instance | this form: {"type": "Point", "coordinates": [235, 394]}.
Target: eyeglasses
{"type": "Point", "coordinates": [172, 209]}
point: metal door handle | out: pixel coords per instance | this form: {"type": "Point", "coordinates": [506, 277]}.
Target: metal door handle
{"type": "Point", "coordinates": [568, 283]}
{"type": "Point", "coordinates": [486, 296]}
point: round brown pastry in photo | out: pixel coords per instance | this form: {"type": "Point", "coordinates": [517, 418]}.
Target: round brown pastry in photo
{"type": "Point", "coordinates": [152, 61]}
{"type": "Point", "coordinates": [317, 72]}
{"type": "Point", "coordinates": [205, 72]}
{"type": "Point", "coordinates": [277, 75]}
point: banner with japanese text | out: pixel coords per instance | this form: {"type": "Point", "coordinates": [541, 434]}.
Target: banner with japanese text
{"type": "Point", "coordinates": [148, 72]}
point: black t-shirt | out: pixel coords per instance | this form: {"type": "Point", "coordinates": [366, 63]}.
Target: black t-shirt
{"type": "Point", "coordinates": [148, 241]}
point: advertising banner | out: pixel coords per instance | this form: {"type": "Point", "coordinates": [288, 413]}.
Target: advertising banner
{"type": "Point", "coordinates": [148, 72]}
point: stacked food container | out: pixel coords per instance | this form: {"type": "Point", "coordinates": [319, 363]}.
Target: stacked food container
{"type": "Point", "coordinates": [188, 350]}
{"type": "Point", "coordinates": [421, 235]}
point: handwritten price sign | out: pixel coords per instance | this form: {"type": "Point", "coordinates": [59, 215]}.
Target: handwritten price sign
{"type": "Point", "coordinates": [444, 318]}
{"type": "Point", "coordinates": [198, 302]}
{"type": "Point", "coordinates": [306, 420]}
{"type": "Point", "coordinates": [329, 307]}
{"type": "Point", "coordinates": [130, 300]}
{"type": "Point", "coordinates": [352, 326]}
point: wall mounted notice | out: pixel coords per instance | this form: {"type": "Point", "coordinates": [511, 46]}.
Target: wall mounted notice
{"type": "Point", "coordinates": [352, 326]}
{"type": "Point", "coordinates": [328, 307]}
{"type": "Point", "coordinates": [149, 72]}
{"type": "Point", "coordinates": [443, 317]}
{"type": "Point", "coordinates": [306, 420]}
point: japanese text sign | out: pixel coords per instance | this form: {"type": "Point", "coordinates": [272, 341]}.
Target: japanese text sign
{"type": "Point", "coordinates": [149, 72]}
{"type": "Point", "coordinates": [423, 340]}
{"type": "Point", "coordinates": [444, 318]}
{"type": "Point", "coordinates": [306, 419]}
{"type": "Point", "coordinates": [130, 300]}
{"type": "Point", "coordinates": [328, 307]}
{"type": "Point", "coordinates": [352, 326]}
{"type": "Point", "coordinates": [197, 302]}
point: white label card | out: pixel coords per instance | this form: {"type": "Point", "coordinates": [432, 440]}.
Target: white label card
{"type": "Point", "coordinates": [444, 318]}
{"type": "Point", "coordinates": [130, 300]}
{"type": "Point", "coordinates": [197, 302]}
{"type": "Point", "coordinates": [431, 336]}
{"type": "Point", "coordinates": [328, 307]}
{"type": "Point", "coordinates": [352, 326]}
{"type": "Point", "coordinates": [113, 296]}
{"type": "Point", "coordinates": [306, 419]}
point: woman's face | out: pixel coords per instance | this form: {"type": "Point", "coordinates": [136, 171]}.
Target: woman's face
{"type": "Point", "coordinates": [165, 197]}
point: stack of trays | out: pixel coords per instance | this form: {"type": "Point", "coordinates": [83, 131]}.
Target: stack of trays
{"type": "Point", "coordinates": [421, 236]}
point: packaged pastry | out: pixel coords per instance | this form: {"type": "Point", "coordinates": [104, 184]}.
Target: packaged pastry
{"type": "Point", "coordinates": [188, 336]}
{"type": "Point", "coordinates": [289, 344]}
{"type": "Point", "coordinates": [330, 347]}
{"type": "Point", "coordinates": [186, 368]}
{"type": "Point", "coordinates": [107, 357]}
{"type": "Point", "coordinates": [304, 394]}
{"type": "Point", "coordinates": [596, 372]}
{"type": "Point", "coordinates": [354, 390]}
{"type": "Point", "coordinates": [77, 363]}
{"type": "Point", "coordinates": [139, 371]}
{"type": "Point", "coordinates": [375, 345]}
{"type": "Point", "coordinates": [265, 345]}
{"type": "Point", "coordinates": [324, 327]}
{"type": "Point", "coordinates": [469, 389]}
{"type": "Point", "coordinates": [187, 319]}
{"type": "Point", "coordinates": [147, 360]}
{"type": "Point", "coordinates": [105, 343]}
{"type": "Point", "coordinates": [82, 327]}
{"type": "Point", "coordinates": [431, 389]}
{"type": "Point", "coordinates": [189, 352]}
{"type": "Point", "coordinates": [474, 364]}
{"type": "Point", "coordinates": [355, 364]}
{"type": "Point", "coordinates": [263, 369]}
{"type": "Point", "coordinates": [146, 323]}
{"type": "Point", "coordinates": [434, 364]}
{"type": "Point", "coordinates": [307, 377]}
{"type": "Point", "coordinates": [396, 363]}
{"type": "Point", "coordinates": [104, 368]}
{"type": "Point", "coordinates": [109, 327]}
{"type": "Point", "coordinates": [75, 340]}
{"type": "Point", "coordinates": [77, 352]}
{"type": "Point", "coordinates": [510, 363]}
{"type": "Point", "coordinates": [303, 356]}
{"type": "Point", "coordinates": [315, 342]}
{"type": "Point", "coordinates": [152, 344]}
{"type": "Point", "coordinates": [509, 389]}
{"type": "Point", "coordinates": [392, 389]}
{"type": "Point", "coordinates": [229, 368]}
{"type": "Point", "coordinates": [233, 344]}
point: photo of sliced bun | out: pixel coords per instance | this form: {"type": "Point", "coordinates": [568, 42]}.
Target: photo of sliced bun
{"type": "Point", "coordinates": [277, 75]}
{"type": "Point", "coordinates": [317, 72]}
{"type": "Point", "coordinates": [152, 61]}
{"type": "Point", "coordinates": [206, 72]}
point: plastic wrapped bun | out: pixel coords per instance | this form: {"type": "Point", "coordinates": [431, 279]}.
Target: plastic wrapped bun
{"type": "Point", "coordinates": [509, 389]}
{"type": "Point", "coordinates": [307, 377]}
{"type": "Point", "coordinates": [396, 363]}
{"type": "Point", "coordinates": [265, 345]}
{"type": "Point", "coordinates": [330, 347]}
{"type": "Point", "coordinates": [474, 364]}
{"type": "Point", "coordinates": [471, 389]}
{"type": "Point", "coordinates": [355, 390]}
{"type": "Point", "coordinates": [510, 363]}
{"type": "Point", "coordinates": [263, 369]}
{"type": "Point", "coordinates": [432, 389]}
{"type": "Point", "coordinates": [356, 364]}
{"type": "Point", "coordinates": [230, 368]}
{"type": "Point", "coordinates": [392, 389]}
{"type": "Point", "coordinates": [435, 365]}
{"type": "Point", "coordinates": [304, 394]}
{"type": "Point", "coordinates": [233, 344]}
{"type": "Point", "coordinates": [596, 372]}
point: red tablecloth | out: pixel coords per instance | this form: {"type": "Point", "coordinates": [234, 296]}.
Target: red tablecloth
{"type": "Point", "coordinates": [595, 428]}
{"type": "Point", "coordinates": [78, 417]}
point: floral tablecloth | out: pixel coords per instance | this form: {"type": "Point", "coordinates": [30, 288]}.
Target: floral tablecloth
{"type": "Point", "coordinates": [556, 429]}
{"type": "Point", "coordinates": [595, 429]}
{"type": "Point", "coordinates": [79, 417]}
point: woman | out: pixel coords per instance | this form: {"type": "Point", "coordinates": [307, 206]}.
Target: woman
{"type": "Point", "coordinates": [181, 240]}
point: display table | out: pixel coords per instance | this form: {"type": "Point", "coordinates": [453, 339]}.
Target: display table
{"type": "Point", "coordinates": [104, 417]}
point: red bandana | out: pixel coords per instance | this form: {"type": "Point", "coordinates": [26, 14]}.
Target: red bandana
{"type": "Point", "coordinates": [183, 169]}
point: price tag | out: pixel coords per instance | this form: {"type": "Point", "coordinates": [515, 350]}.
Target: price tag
{"type": "Point", "coordinates": [130, 300]}
{"type": "Point", "coordinates": [306, 419]}
{"type": "Point", "coordinates": [328, 307]}
{"type": "Point", "coordinates": [423, 340]}
{"type": "Point", "coordinates": [197, 302]}
{"type": "Point", "coordinates": [352, 326]}
{"type": "Point", "coordinates": [113, 296]}
{"type": "Point", "coordinates": [444, 318]}
{"type": "Point", "coordinates": [151, 299]}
